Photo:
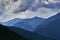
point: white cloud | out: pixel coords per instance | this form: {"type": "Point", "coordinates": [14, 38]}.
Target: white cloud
{"type": "Point", "coordinates": [41, 12]}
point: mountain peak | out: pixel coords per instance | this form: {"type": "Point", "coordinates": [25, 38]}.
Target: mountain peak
{"type": "Point", "coordinates": [28, 24]}
{"type": "Point", "coordinates": [37, 17]}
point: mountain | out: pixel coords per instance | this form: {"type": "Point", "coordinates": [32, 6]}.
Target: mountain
{"type": "Point", "coordinates": [50, 28]}
{"type": "Point", "coordinates": [7, 34]}
{"type": "Point", "coordinates": [27, 24]}
{"type": "Point", "coordinates": [12, 22]}
{"type": "Point", "coordinates": [29, 35]}
{"type": "Point", "coordinates": [14, 33]}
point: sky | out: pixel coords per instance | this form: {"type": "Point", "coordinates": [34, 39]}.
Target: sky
{"type": "Point", "coordinates": [10, 9]}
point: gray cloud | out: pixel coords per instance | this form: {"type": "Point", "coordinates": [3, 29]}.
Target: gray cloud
{"type": "Point", "coordinates": [34, 6]}
{"type": "Point", "coordinates": [28, 9]}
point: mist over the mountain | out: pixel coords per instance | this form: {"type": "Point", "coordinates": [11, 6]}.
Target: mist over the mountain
{"type": "Point", "coordinates": [10, 9]}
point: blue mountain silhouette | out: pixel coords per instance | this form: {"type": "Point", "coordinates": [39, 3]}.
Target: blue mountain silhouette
{"type": "Point", "coordinates": [50, 28]}
{"type": "Point", "coordinates": [26, 24]}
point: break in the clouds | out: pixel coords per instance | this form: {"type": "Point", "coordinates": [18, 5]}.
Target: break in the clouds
{"type": "Point", "coordinates": [10, 9]}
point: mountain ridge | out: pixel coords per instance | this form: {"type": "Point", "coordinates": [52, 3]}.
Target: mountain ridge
{"type": "Point", "coordinates": [27, 24]}
{"type": "Point", "coordinates": [51, 29]}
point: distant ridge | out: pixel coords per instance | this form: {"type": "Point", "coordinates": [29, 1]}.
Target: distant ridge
{"type": "Point", "coordinates": [12, 22]}
{"type": "Point", "coordinates": [51, 29]}
{"type": "Point", "coordinates": [28, 24]}
{"type": "Point", "coordinates": [51, 19]}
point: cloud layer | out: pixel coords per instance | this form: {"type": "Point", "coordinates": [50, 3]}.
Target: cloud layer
{"type": "Point", "coordinates": [27, 9]}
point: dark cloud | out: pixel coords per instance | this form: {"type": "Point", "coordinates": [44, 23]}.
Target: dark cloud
{"type": "Point", "coordinates": [15, 0]}
{"type": "Point", "coordinates": [32, 9]}
{"type": "Point", "coordinates": [33, 6]}
{"type": "Point", "coordinates": [52, 6]}
{"type": "Point", "coordinates": [24, 6]}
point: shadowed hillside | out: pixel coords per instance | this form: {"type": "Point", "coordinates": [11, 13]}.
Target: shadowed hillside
{"type": "Point", "coordinates": [50, 28]}
{"type": "Point", "coordinates": [7, 34]}
{"type": "Point", "coordinates": [30, 35]}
